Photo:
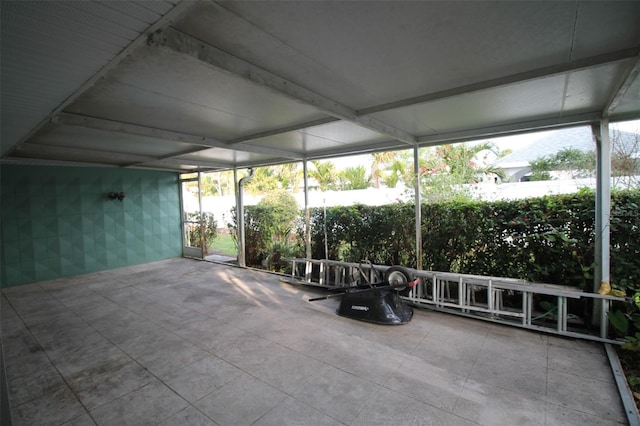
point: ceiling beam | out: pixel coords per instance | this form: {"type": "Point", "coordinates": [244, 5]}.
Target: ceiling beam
{"type": "Point", "coordinates": [464, 135]}
{"type": "Point", "coordinates": [185, 44]}
{"type": "Point", "coordinates": [119, 159]}
{"type": "Point", "coordinates": [135, 129]}
{"type": "Point", "coordinates": [456, 91]}
{"type": "Point", "coordinates": [522, 77]}
{"type": "Point", "coordinates": [178, 10]}
{"type": "Point", "coordinates": [107, 157]}
{"type": "Point", "coordinates": [191, 162]}
{"type": "Point", "coordinates": [390, 145]}
{"type": "Point", "coordinates": [509, 129]}
{"type": "Point", "coordinates": [174, 159]}
{"type": "Point", "coordinates": [281, 130]}
{"type": "Point", "coordinates": [632, 73]}
{"type": "Point", "coordinates": [29, 161]}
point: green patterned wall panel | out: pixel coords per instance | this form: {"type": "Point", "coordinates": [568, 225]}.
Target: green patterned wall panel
{"type": "Point", "coordinates": [58, 221]}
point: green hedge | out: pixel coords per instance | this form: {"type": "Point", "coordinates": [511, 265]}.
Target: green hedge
{"type": "Point", "coordinates": [548, 239]}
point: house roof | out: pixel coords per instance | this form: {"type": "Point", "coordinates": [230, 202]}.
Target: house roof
{"type": "Point", "coordinates": [205, 85]}
{"type": "Point", "coordinates": [552, 142]}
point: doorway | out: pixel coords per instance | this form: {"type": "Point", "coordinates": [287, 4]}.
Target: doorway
{"type": "Point", "coordinates": [191, 213]}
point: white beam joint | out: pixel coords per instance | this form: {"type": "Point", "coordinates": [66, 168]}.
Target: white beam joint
{"type": "Point", "coordinates": [630, 76]}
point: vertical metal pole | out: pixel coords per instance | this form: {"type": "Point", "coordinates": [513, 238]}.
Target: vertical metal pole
{"type": "Point", "coordinates": [183, 216]}
{"type": "Point", "coordinates": [490, 305]}
{"type": "Point", "coordinates": [559, 319]}
{"type": "Point", "coordinates": [203, 240]}
{"type": "Point", "coordinates": [239, 221]}
{"type": "Point", "coordinates": [324, 219]}
{"type": "Point", "coordinates": [307, 211]}
{"type": "Point", "coordinates": [418, 210]}
{"type": "Point", "coordinates": [602, 220]}
{"type": "Point", "coordinates": [242, 260]}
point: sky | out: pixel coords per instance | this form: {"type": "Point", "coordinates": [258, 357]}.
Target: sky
{"type": "Point", "coordinates": [628, 126]}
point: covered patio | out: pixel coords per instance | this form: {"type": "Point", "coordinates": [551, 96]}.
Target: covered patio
{"type": "Point", "coordinates": [103, 323]}
{"type": "Point", "coordinates": [192, 86]}
{"type": "Point", "coordinates": [189, 342]}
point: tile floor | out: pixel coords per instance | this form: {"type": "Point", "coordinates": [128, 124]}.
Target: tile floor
{"type": "Point", "coordinates": [184, 342]}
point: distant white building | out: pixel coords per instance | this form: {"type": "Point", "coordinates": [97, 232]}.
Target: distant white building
{"type": "Point", "coordinates": [517, 165]}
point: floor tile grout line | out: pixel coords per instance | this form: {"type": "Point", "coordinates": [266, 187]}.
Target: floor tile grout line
{"type": "Point", "coordinates": [160, 380]}
{"type": "Point", "coordinates": [298, 401]}
{"type": "Point", "coordinates": [546, 382]}
{"type": "Point", "coordinates": [464, 384]}
{"type": "Point", "coordinates": [123, 351]}
{"type": "Point", "coordinates": [364, 406]}
{"type": "Point", "coordinates": [168, 331]}
{"type": "Point", "coordinates": [196, 345]}
{"type": "Point", "coordinates": [64, 379]}
{"type": "Point", "coordinates": [384, 386]}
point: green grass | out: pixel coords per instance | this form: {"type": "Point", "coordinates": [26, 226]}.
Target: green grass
{"type": "Point", "coordinates": [223, 244]}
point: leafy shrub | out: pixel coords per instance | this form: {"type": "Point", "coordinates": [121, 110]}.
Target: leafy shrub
{"type": "Point", "coordinates": [268, 226]}
{"type": "Point", "coordinates": [208, 226]}
{"type": "Point", "coordinates": [383, 235]}
{"type": "Point", "coordinates": [625, 319]}
{"type": "Point", "coordinates": [548, 239]}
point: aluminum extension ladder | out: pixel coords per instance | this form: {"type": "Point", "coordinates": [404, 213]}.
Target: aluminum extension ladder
{"type": "Point", "coordinates": [504, 300]}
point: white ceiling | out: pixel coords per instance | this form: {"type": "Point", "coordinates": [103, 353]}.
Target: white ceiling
{"type": "Point", "coordinates": [215, 85]}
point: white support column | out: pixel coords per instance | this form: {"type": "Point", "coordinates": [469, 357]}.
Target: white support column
{"type": "Point", "coordinates": [201, 224]}
{"type": "Point", "coordinates": [307, 212]}
{"type": "Point", "coordinates": [602, 220]}
{"type": "Point", "coordinates": [418, 210]}
{"type": "Point", "coordinates": [242, 259]}
{"type": "Point", "coordinates": [239, 257]}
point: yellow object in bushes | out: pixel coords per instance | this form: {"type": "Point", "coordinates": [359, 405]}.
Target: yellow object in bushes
{"type": "Point", "coordinates": [605, 288]}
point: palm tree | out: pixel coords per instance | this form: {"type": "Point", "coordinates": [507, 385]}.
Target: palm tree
{"type": "Point", "coordinates": [396, 172]}
{"type": "Point", "coordinates": [217, 183]}
{"type": "Point", "coordinates": [353, 178]}
{"type": "Point", "coordinates": [461, 161]}
{"type": "Point", "coordinates": [264, 180]}
{"type": "Point", "coordinates": [324, 173]}
{"type": "Point", "coordinates": [379, 159]}
{"type": "Point", "coordinates": [290, 176]}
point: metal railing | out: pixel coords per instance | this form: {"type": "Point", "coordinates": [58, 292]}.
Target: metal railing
{"type": "Point", "coordinates": [520, 303]}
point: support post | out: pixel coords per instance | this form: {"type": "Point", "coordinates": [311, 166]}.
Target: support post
{"type": "Point", "coordinates": [203, 240]}
{"type": "Point", "coordinates": [307, 212]}
{"type": "Point", "coordinates": [418, 210]}
{"type": "Point", "coordinates": [242, 260]}
{"type": "Point", "coordinates": [602, 221]}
